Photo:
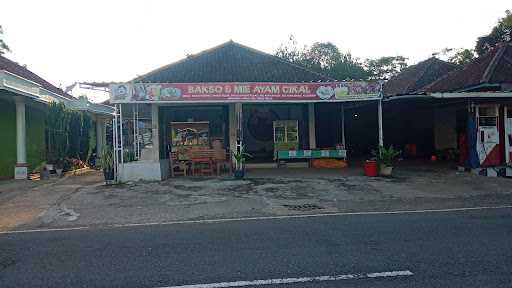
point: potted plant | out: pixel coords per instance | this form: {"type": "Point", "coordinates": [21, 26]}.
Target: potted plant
{"type": "Point", "coordinates": [385, 157]}
{"type": "Point", "coordinates": [240, 157]}
{"type": "Point", "coordinates": [107, 164]}
{"type": "Point", "coordinates": [51, 160]}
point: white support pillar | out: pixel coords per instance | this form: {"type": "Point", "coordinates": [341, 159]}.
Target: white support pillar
{"type": "Point", "coordinates": [311, 125]}
{"type": "Point", "coordinates": [21, 170]}
{"type": "Point", "coordinates": [239, 130]}
{"type": "Point", "coordinates": [381, 132]}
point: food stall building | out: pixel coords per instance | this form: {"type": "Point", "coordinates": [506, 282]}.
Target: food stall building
{"type": "Point", "coordinates": [234, 95]}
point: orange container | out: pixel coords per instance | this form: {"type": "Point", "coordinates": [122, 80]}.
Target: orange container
{"type": "Point", "coordinates": [328, 163]}
{"type": "Point", "coordinates": [370, 168]}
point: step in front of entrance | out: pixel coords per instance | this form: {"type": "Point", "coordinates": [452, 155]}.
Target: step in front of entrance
{"type": "Point", "coordinates": [274, 165]}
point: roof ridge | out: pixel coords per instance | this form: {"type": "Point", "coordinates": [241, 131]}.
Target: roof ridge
{"type": "Point", "coordinates": [192, 56]}
{"type": "Point", "coordinates": [284, 61]}
{"type": "Point", "coordinates": [428, 86]}
{"type": "Point", "coordinates": [455, 66]}
{"type": "Point", "coordinates": [493, 63]}
{"type": "Point", "coordinates": [230, 42]}
{"type": "Point", "coordinates": [425, 69]}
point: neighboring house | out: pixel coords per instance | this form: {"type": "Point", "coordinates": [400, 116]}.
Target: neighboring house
{"type": "Point", "coordinates": [412, 79]}
{"type": "Point", "coordinates": [485, 84]}
{"type": "Point", "coordinates": [24, 97]}
{"type": "Point", "coordinates": [412, 121]}
{"type": "Point", "coordinates": [466, 108]}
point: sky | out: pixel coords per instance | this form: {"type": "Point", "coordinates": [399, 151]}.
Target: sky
{"type": "Point", "coordinates": [89, 40]}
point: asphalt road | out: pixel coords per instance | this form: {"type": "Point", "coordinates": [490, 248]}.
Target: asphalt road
{"type": "Point", "coordinates": [441, 249]}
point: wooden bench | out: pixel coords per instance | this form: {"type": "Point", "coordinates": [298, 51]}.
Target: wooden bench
{"type": "Point", "coordinates": [202, 161]}
{"type": "Point", "coordinates": [178, 166]}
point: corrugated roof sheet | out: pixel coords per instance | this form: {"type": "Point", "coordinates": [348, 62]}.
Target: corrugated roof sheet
{"type": "Point", "coordinates": [232, 62]}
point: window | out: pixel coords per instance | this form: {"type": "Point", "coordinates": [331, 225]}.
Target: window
{"type": "Point", "coordinates": [487, 115]}
{"type": "Point", "coordinates": [286, 131]}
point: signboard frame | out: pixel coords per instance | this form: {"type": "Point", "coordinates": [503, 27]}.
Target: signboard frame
{"type": "Point", "coordinates": [246, 92]}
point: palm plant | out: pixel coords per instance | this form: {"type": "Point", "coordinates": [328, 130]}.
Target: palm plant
{"type": "Point", "coordinates": [240, 157]}
{"type": "Point", "coordinates": [385, 156]}
{"type": "Point", "coordinates": [106, 159]}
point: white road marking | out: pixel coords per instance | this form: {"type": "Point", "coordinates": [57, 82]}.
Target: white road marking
{"type": "Point", "coordinates": [206, 221]}
{"type": "Point", "coordinates": [297, 280]}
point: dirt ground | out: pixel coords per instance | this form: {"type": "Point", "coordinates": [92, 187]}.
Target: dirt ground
{"type": "Point", "coordinates": [86, 201]}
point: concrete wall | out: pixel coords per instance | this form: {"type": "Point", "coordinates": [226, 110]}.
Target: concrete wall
{"type": "Point", "coordinates": [36, 145]}
{"type": "Point", "coordinates": [144, 170]}
{"type": "Point", "coordinates": [139, 170]}
{"type": "Point", "coordinates": [445, 124]}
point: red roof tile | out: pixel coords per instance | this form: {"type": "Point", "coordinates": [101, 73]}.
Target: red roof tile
{"type": "Point", "coordinates": [413, 78]}
{"type": "Point", "coordinates": [488, 72]}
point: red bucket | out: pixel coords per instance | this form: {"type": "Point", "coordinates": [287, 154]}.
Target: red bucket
{"type": "Point", "coordinates": [370, 168]}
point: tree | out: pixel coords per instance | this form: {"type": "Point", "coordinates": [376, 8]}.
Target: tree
{"type": "Point", "coordinates": [290, 51]}
{"type": "Point", "coordinates": [459, 56]}
{"type": "Point", "coordinates": [3, 46]}
{"type": "Point", "coordinates": [502, 32]}
{"type": "Point", "coordinates": [385, 67]}
{"type": "Point", "coordinates": [323, 57]}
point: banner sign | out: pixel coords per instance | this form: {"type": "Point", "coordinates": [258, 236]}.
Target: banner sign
{"type": "Point", "coordinates": [244, 92]}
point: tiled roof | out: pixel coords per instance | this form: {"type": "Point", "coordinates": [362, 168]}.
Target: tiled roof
{"type": "Point", "coordinates": [15, 68]}
{"type": "Point", "coordinates": [488, 72]}
{"type": "Point", "coordinates": [413, 78]}
{"type": "Point", "coordinates": [232, 62]}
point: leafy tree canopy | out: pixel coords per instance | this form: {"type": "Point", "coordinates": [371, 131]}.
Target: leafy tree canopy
{"type": "Point", "coordinates": [459, 56]}
{"type": "Point", "coordinates": [323, 57]}
{"type": "Point", "coordinates": [3, 46]}
{"type": "Point", "coordinates": [502, 32]}
{"type": "Point", "coordinates": [385, 67]}
{"type": "Point", "coordinates": [326, 58]}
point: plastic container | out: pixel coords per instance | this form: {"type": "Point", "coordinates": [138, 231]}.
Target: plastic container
{"type": "Point", "coordinates": [370, 168]}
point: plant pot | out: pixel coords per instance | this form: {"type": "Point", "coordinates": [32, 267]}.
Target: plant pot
{"type": "Point", "coordinates": [45, 174]}
{"type": "Point", "coordinates": [49, 167]}
{"type": "Point", "coordinates": [370, 168]}
{"type": "Point", "coordinates": [385, 170]}
{"type": "Point", "coordinates": [239, 174]}
{"type": "Point", "coordinates": [109, 175]}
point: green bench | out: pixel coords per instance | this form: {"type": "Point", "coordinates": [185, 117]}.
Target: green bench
{"type": "Point", "coordinates": [309, 154]}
